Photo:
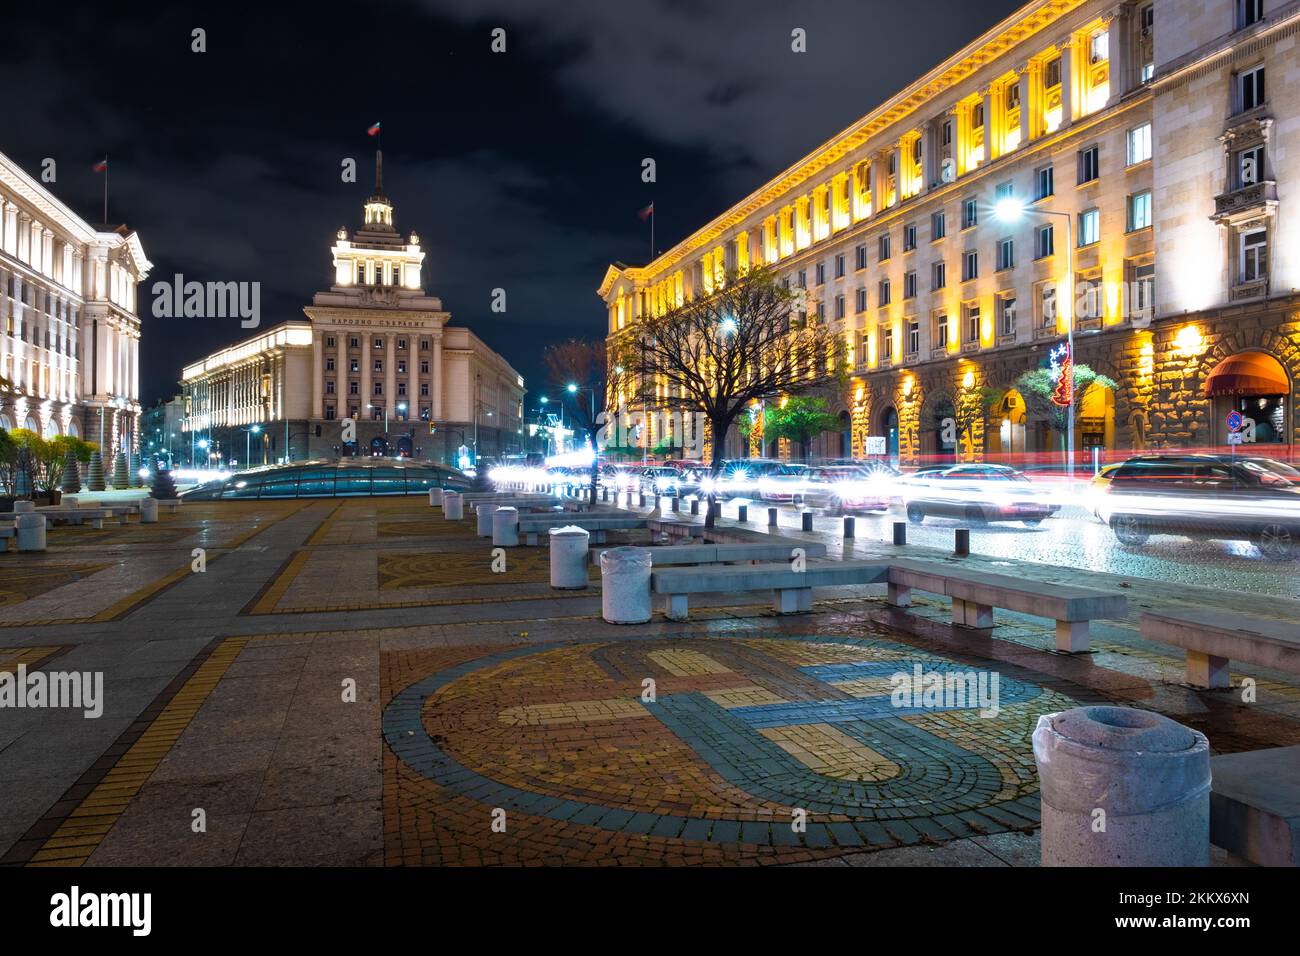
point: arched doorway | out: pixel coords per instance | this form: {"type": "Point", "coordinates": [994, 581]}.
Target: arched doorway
{"type": "Point", "coordinates": [6, 424]}
{"type": "Point", "coordinates": [939, 434]}
{"type": "Point", "coordinates": [379, 447]}
{"type": "Point", "coordinates": [73, 428]}
{"type": "Point", "coordinates": [846, 435]}
{"type": "Point", "coordinates": [887, 427]}
{"type": "Point", "coordinates": [404, 447]}
{"type": "Point", "coordinates": [1096, 419]}
{"type": "Point", "coordinates": [1005, 435]}
{"type": "Point", "coordinates": [1256, 385]}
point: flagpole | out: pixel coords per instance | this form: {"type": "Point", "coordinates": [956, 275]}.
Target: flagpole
{"type": "Point", "coordinates": [106, 190]}
{"type": "Point", "coordinates": [652, 232]}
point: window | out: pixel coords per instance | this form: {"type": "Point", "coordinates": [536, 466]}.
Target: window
{"type": "Point", "coordinates": [945, 133]}
{"type": "Point", "coordinates": [909, 237]}
{"type": "Point", "coordinates": [913, 336]}
{"type": "Point", "coordinates": [329, 413]}
{"type": "Point", "coordinates": [1250, 89]}
{"type": "Point", "coordinates": [839, 266]}
{"type": "Point", "coordinates": [1004, 191]}
{"type": "Point", "coordinates": [969, 213]}
{"type": "Point", "coordinates": [1006, 254]}
{"type": "Point", "coordinates": [1249, 164]}
{"type": "Point", "coordinates": [909, 285]}
{"type": "Point", "coordinates": [1099, 47]}
{"type": "Point", "coordinates": [1144, 290]}
{"type": "Point", "coordinates": [886, 343]}
{"type": "Point", "coordinates": [424, 368]}
{"type": "Point", "coordinates": [977, 115]}
{"type": "Point", "coordinates": [353, 388]}
{"type": "Point", "coordinates": [1047, 306]}
{"type": "Point", "coordinates": [401, 389]}
{"type": "Point", "coordinates": [970, 266]}
{"type": "Point", "coordinates": [354, 342]}
{"type": "Point", "coordinates": [1045, 180]}
{"type": "Point", "coordinates": [940, 330]}
{"type": "Point", "coordinates": [1089, 165]}
{"type": "Point", "coordinates": [862, 300]}
{"type": "Point", "coordinates": [1254, 256]}
{"type": "Point", "coordinates": [329, 341]}
{"type": "Point", "coordinates": [379, 342]}
{"type": "Point", "coordinates": [329, 365]}
{"type": "Point", "coordinates": [397, 274]}
{"type": "Point", "coordinates": [424, 345]}
{"type": "Point", "coordinates": [1249, 12]}
{"type": "Point", "coordinates": [1012, 97]}
{"type": "Point", "coordinates": [1052, 73]}
{"type": "Point", "coordinates": [424, 389]}
{"type": "Point", "coordinates": [884, 248]}
{"type": "Point", "coordinates": [884, 292]}
{"type": "Point", "coordinates": [860, 257]}
{"type": "Point", "coordinates": [354, 365]}
{"type": "Point", "coordinates": [361, 273]}
{"type": "Point", "coordinates": [1044, 242]}
{"type": "Point", "coordinates": [938, 275]}
{"type": "Point", "coordinates": [379, 388]}
{"type": "Point", "coordinates": [1139, 144]}
{"type": "Point", "coordinates": [379, 365]}
{"type": "Point", "coordinates": [1139, 210]}
{"type": "Point", "coordinates": [972, 324]}
{"type": "Point", "coordinates": [1089, 301]}
{"type": "Point", "coordinates": [821, 273]}
{"type": "Point", "coordinates": [401, 345]}
{"type": "Point", "coordinates": [329, 386]}
{"type": "Point", "coordinates": [937, 226]}
{"type": "Point", "coordinates": [1007, 315]}
{"type": "Point", "coordinates": [839, 306]}
{"type": "Point", "coordinates": [1089, 227]}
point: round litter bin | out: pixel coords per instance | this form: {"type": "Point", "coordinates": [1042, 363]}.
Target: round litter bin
{"type": "Point", "coordinates": [453, 506]}
{"type": "Point", "coordinates": [148, 510]}
{"type": "Point", "coordinates": [24, 506]}
{"type": "Point", "coordinates": [1122, 787]}
{"type": "Point", "coordinates": [569, 557]}
{"type": "Point", "coordinates": [435, 497]}
{"type": "Point", "coordinates": [625, 585]}
{"type": "Point", "coordinates": [29, 530]}
{"type": "Point", "coordinates": [505, 527]}
{"type": "Point", "coordinates": [483, 510]}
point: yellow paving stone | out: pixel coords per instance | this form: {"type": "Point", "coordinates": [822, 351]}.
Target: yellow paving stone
{"type": "Point", "coordinates": [687, 663]}
{"type": "Point", "coordinates": [744, 696]}
{"type": "Point", "coordinates": [616, 708]}
{"type": "Point", "coordinates": [826, 750]}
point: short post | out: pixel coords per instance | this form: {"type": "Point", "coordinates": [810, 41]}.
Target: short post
{"type": "Point", "coordinates": [695, 506]}
{"type": "Point", "coordinates": [1142, 775]}
{"type": "Point", "coordinates": [961, 543]}
{"type": "Point", "coordinates": [604, 494]}
{"type": "Point", "coordinates": [742, 513]}
{"type": "Point", "coordinates": [435, 497]}
{"type": "Point", "coordinates": [640, 499]}
{"type": "Point", "coordinates": [677, 504]}
{"type": "Point", "coordinates": [807, 520]}
{"type": "Point", "coordinates": [453, 506]}
{"type": "Point", "coordinates": [848, 526]}
{"type": "Point", "coordinates": [569, 550]}
{"type": "Point", "coordinates": [148, 510]}
{"type": "Point", "coordinates": [625, 585]}
{"type": "Point", "coordinates": [771, 517]}
{"type": "Point", "coordinates": [505, 528]}
{"type": "Point", "coordinates": [29, 530]}
{"type": "Point", "coordinates": [484, 512]}
{"type": "Point", "coordinates": [900, 532]}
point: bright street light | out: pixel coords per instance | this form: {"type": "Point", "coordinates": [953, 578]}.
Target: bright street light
{"type": "Point", "coordinates": [1009, 209]}
{"type": "Point", "coordinates": [728, 325]}
{"type": "Point", "coordinates": [572, 388]}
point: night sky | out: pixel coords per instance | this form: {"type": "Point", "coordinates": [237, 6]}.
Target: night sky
{"type": "Point", "coordinates": [519, 170]}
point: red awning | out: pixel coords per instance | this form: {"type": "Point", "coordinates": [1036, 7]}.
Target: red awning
{"type": "Point", "coordinates": [1247, 373]}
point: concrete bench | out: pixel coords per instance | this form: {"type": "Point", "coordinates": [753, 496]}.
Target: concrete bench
{"type": "Point", "coordinates": [96, 516]}
{"type": "Point", "coordinates": [533, 504]}
{"type": "Point", "coordinates": [727, 553]}
{"type": "Point", "coordinates": [531, 526]}
{"type": "Point", "coordinates": [975, 594]}
{"type": "Point", "coordinates": [792, 589]}
{"type": "Point", "coordinates": [1255, 805]}
{"type": "Point", "coordinates": [1212, 638]}
{"type": "Point", "coordinates": [6, 531]}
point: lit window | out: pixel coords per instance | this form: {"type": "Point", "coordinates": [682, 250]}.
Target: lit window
{"type": "Point", "coordinates": [972, 324]}
{"type": "Point", "coordinates": [1006, 254]}
{"type": "Point", "coordinates": [1139, 210]}
{"type": "Point", "coordinates": [1089, 227]}
{"type": "Point", "coordinates": [1139, 144]}
{"type": "Point", "coordinates": [1254, 256]}
{"type": "Point", "coordinates": [970, 266]}
{"type": "Point", "coordinates": [1007, 308]}
{"type": "Point", "coordinates": [1250, 89]}
{"type": "Point", "coordinates": [1089, 164]}
{"type": "Point", "coordinates": [940, 330]}
{"type": "Point", "coordinates": [1046, 241]}
{"type": "Point", "coordinates": [913, 336]}
{"type": "Point", "coordinates": [1250, 166]}
{"type": "Point", "coordinates": [1046, 183]}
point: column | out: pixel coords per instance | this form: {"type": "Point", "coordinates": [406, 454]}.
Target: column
{"type": "Point", "coordinates": [897, 151]}
{"type": "Point", "coordinates": [341, 374]}
{"type": "Point", "coordinates": [435, 367]}
{"type": "Point", "coordinates": [991, 125]}
{"type": "Point", "coordinates": [1117, 41]}
{"type": "Point", "coordinates": [1024, 75]}
{"type": "Point", "coordinates": [413, 378]}
{"type": "Point", "coordinates": [390, 374]}
{"type": "Point", "coordinates": [1066, 46]}
{"type": "Point", "coordinates": [367, 359]}
{"type": "Point", "coordinates": [929, 172]}
{"type": "Point", "coordinates": [135, 369]}
{"type": "Point", "coordinates": [317, 376]}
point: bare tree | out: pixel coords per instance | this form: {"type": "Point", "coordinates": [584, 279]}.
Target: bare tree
{"type": "Point", "coordinates": [581, 371]}
{"type": "Point", "coordinates": [719, 353]}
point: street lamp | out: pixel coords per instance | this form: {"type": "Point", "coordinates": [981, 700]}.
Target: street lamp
{"type": "Point", "coordinates": [248, 443]}
{"type": "Point", "coordinates": [1010, 210]}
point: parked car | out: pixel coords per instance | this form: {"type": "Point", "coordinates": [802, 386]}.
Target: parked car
{"type": "Point", "coordinates": [1204, 496]}
{"type": "Point", "coordinates": [977, 494]}
{"type": "Point", "coordinates": [661, 480]}
{"type": "Point", "coordinates": [846, 489]}
{"type": "Point", "coordinates": [783, 484]}
{"type": "Point", "coordinates": [739, 476]}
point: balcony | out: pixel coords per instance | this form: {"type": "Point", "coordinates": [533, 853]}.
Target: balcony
{"type": "Point", "coordinates": [1248, 291]}
{"type": "Point", "coordinates": [939, 351]}
{"type": "Point", "coordinates": [968, 347]}
{"type": "Point", "coordinates": [1248, 202]}
{"type": "Point", "coordinates": [1046, 331]}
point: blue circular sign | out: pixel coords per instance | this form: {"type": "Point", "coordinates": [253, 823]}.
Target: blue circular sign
{"type": "Point", "coordinates": [1234, 420]}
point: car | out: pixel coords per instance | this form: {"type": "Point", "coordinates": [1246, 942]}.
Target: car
{"type": "Point", "coordinates": [783, 484]}
{"type": "Point", "coordinates": [1253, 462]}
{"type": "Point", "coordinates": [739, 476]}
{"type": "Point", "coordinates": [661, 480]}
{"type": "Point", "coordinates": [846, 489]}
{"type": "Point", "coordinates": [977, 494]}
{"type": "Point", "coordinates": [1098, 485]}
{"type": "Point", "coordinates": [1212, 497]}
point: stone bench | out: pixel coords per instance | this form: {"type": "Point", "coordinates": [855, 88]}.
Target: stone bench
{"type": "Point", "coordinates": [728, 553]}
{"type": "Point", "coordinates": [975, 594]}
{"type": "Point", "coordinates": [792, 589]}
{"type": "Point", "coordinates": [1255, 805]}
{"type": "Point", "coordinates": [531, 526]}
{"type": "Point", "coordinates": [1212, 638]}
{"type": "Point", "coordinates": [537, 504]}
{"type": "Point", "coordinates": [96, 516]}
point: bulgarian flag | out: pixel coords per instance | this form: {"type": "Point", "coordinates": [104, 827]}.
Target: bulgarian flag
{"type": "Point", "coordinates": [101, 166]}
{"type": "Point", "coordinates": [647, 212]}
{"type": "Point", "coordinates": [373, 131]}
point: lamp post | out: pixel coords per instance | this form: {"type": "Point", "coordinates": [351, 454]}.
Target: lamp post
{"type": "Point", "coordinates": [478, 403]}
{"type": "Point", "coordinates": [1010, 210]}
{"type": "Point", "coordinates": [575, 389]}
{"type": "Point", "coordinates": [248, 443]}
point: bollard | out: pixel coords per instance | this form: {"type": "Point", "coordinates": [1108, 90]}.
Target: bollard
{"type": "Point", "coordinates": [24, 506]}
{"type": "Point", "coordinates": [961, 542]}
{"type": "Point", "coordinates": [453, 506]}
{"type": "Point", "coordinates": [807, 521]}
{"type": "Point", "coordinates": [1148, 775]}
{"type": "Point", "coordinates": [505, 527]}
{"type": "Point", "coordinates": [625, 585]}
{"type": "Point", "coordinates": [640, 499]}
{"type": "Point", "coordinates": [656, 507]}
{"type": "Point", "coordinates": [569, 550]}
{"type": "Point", "coordinates": [742, 512]}
{"type": "Point", "coordinates": [900, 532]}
{"type": "Point", "coordinates": [148, 510]}
{"type": "Point", "coordinates": [771, 517]}
{"type": "Point", "coordinates": [435, 497]}
{"type": "Point", "coordinates": [604, 494]}
{"type": "Point", "coordinates": [677, 504]}
{"type": "Point", "coordinates": [695, 506]}
{"type": "Point", "coordinates": [484, 512]}
{"type": "Point", "coordinates": [29, 530]}
{"type": "Point", "coordinates": [848, 526]}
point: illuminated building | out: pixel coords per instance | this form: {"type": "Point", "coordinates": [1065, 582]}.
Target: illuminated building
{"type": "Point", "coordinates": [376, 349]}
{"type": "Point", "coordinates": [1167, 170]}
{"type": "Point", "coordinates": [70, 348]}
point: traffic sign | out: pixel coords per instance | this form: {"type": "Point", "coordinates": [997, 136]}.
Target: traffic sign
{"type": "Point", "coordinates": [1234, 420]}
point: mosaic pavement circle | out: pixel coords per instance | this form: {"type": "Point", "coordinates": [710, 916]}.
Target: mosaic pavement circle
{"type": "Point", "coordinates": [738, 735]}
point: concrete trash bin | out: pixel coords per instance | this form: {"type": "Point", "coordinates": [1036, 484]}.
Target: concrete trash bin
{"type": "Point", "coordinates": [453, 506]}
{"type": "Point", "coordinates": [148, 510]}
{"type": "Point", "coordinates": [24, 506]}
{"type": "Point", "coordinates": [505, 527]}
{"type": "Point", "coordinates": [1122, 787]}
{"type": "Point", "coordinates": [68, 501]}
{"type": "Point", "coordinates": [625, 585]}
{"type": "Point", "coordinates": [569, 551]}
{"type": "Point", "coordinates": [435, 497]}
{"type": "Point", "coordinates": [483, 511]}
{"type": "Point", "coordinates": [29, 530]}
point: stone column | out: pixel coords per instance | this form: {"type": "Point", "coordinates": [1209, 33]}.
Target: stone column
{"type": "Point", "coordinates": [341, 373]}
{"type": "Point", "coordinates": [435, 384]}
{"type": "Point", "coordinates": [390, 374]}
{"type": "Point", "coordinates": [367, 359]}
{"type": "Point", "coordinates": [1117, 24]}
{"type": "Point", "coordinates": [929, 172]}
{"type": "Point", "coordinates": [317, 376]}
{"type": "Point", "coordinates": [1066, 46]}
{"type": "Point", "coordinates": [1025, 76]}
{"type": "Point", "coordinates": [413, 379]}
{"type": "Point", "coordinates": [990, 125]}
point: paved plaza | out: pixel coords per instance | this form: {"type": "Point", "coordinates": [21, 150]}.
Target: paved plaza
{"type": "Point", "coordinates": [350, 682]}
